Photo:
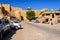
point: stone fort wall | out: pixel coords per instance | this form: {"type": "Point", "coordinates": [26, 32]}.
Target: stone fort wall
{"type": "Point", "coordinates": [16, 12]}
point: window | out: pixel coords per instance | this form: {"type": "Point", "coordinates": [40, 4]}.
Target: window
{"type": "Point", "coordinates": [47, 14]}
{"type": "Point", "coordinates": [16, 21]}
{"type": "Point", "coordinates": [43, 15]}
{"type": "Point", "coordinates": [50, 19]}
{"type": "Point", "coordinates": [57, 13]}
{"type": "Point", "coordinates": [52, 15]}
{"type": "Point", "coordinates": [47, 19]}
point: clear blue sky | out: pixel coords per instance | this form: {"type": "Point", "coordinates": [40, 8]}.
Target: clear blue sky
{"type": "Point", "coordinates": [34, 4]}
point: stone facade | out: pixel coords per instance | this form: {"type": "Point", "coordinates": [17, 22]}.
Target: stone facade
{"type": "Point", "coordinates": [7, 11]}
{"type": "Point", "coordinates": [53, 17]}
{"type": "Point", "coordinates": [12, 12]}
{"type": "Point", "coordinates": [1, 13]}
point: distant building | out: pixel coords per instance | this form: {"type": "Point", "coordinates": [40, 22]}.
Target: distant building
{"type": "Point", "coordinates": [48, 17]}
{"type": "Point", "coordinates": [28, 8]}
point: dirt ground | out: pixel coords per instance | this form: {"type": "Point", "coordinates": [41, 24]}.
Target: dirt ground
{"type": "Point", "coordinates": [33, 32]}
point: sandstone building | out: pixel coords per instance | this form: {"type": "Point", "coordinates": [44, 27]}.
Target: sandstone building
{"type": "Point", "coordinates": [9, 12]}
{"type": "Point", "coordinates": [50, 16]}
{"type": "Point", "coordinates": [12, 12]}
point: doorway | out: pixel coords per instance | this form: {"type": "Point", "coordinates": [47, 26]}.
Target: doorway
{"type": "Point", "coordinates": [22, 18]}
{"type": "Point", "coordinates": [52, 15]}
{"type": "Point", "coordinates": [47, 19]}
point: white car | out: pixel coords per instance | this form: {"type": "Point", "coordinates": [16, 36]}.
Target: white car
{"type": "Point", "coordinates": [15, 25]}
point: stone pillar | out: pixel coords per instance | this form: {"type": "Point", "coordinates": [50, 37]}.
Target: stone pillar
{"type": "Point", "coordinates": [55, 19]}
{"type": "Point", "coordinates": [51, 15]}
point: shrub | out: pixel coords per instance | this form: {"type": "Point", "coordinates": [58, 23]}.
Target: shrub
{"type": "Point", "coordinates": [30, 15]}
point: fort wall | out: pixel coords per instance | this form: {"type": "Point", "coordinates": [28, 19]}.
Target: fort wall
{"type": "Point", "coordinates": [20, 14]}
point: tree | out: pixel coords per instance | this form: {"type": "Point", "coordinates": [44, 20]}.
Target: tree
{"type": "Point", "coordinates": [58, 10]}
{"type": "Point", "coordinates": [30, 15]}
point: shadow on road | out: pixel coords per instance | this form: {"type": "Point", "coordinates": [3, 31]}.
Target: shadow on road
{"type": "Point", "coordinates": [9, 36]}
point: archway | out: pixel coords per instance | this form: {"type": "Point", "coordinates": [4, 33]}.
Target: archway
{"type": "Point", "coordinates": [22, 18]}
{"type": "Point", "coordinates": [47, 20]}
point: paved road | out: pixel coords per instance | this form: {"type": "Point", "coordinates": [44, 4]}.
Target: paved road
{"type": "Point", "coordinates": [33, 31]}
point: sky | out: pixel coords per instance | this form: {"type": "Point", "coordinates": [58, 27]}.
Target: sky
{"type": "Point", "coordinates": [33, 4]}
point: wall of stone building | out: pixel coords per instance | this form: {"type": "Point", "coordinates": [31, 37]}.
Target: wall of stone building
{"type": "Point", "coordinates": [16, 12]}
{"type": "Point", "coordinates": [6, 11]}
{"type": "Point", "coordinates": [7, 7]}
{"type": "Point", "coordinates": [0, 5]}
{"type": "Point", "coordinates": [55, 19]}
{"type": "Point", "coordinates": [15, 9]}
{"type": "Point", "coordinates": [23, 14]}
{"type": "Point", "coordinates": [37, 13]}
{"type": "Point", "coordinates": [1, 13]}
{"type": "Point", "coordinates": [17, 15]}
{"type": "Point", "coordinates": [42, 19]}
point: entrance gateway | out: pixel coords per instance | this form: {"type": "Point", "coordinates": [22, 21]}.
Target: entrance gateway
{"type": "Point", "coordinates": [49, 20]}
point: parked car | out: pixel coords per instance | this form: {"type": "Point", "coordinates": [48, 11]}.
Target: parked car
{"type": "Point", "coordinates": [15, 25]}
{"type": "Point", "coordinates": [32, 20]}
{"type": "Point", "coordinates": [35, 21]}
{"type": "Point", "coordinates": [4, 27]}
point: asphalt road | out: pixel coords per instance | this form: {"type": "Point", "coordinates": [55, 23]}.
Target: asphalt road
{"type": "Point", "coordinates": [47, 29]}
{"type": "Point", "coordinates": [33, 31]}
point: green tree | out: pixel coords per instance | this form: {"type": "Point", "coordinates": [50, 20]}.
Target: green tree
{"type": "Point", "coordinates": [30, 15]}
{"type": "Point", "coordinates": [58, 10]}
